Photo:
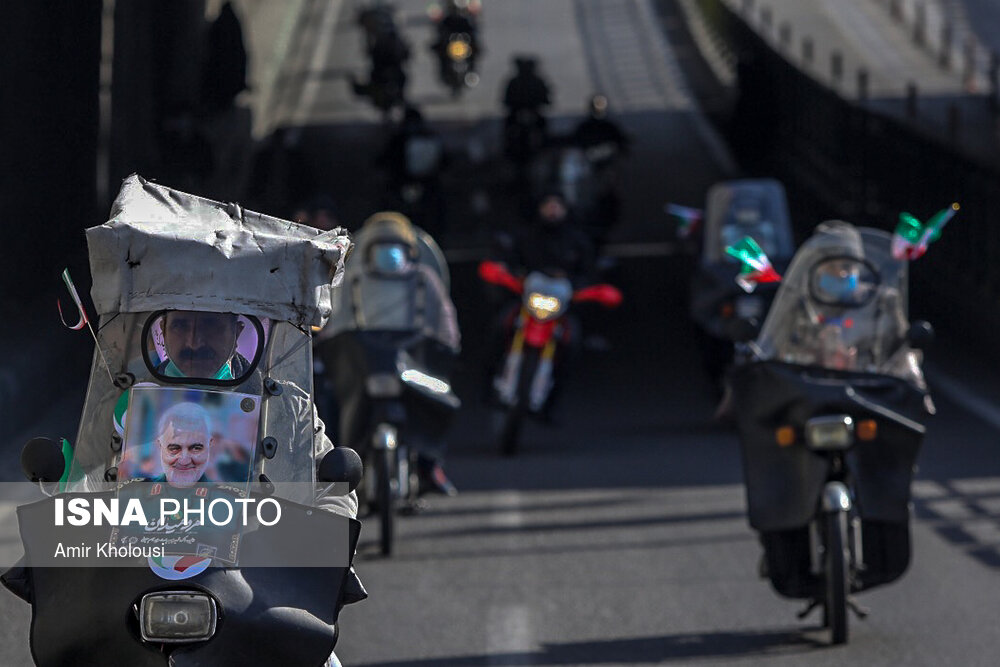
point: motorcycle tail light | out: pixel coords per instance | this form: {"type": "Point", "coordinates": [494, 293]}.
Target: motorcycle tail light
{"type": "Point", "coordinates": [784, 436]}
{"type": "Point", "coordinates": [830, 433]}
{"type": "Point", "coordinates": [177, 617]}
{"type": "Point", "coordinates": [866, 429]}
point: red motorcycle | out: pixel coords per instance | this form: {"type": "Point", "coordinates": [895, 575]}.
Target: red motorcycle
{"type": "Point", "coordinates": [540, 330]}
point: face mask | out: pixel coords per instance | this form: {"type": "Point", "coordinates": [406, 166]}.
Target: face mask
{"type": "Point", "coordinates": [838, 286]}
{"type": "Point", "coordinates": [390, 259]}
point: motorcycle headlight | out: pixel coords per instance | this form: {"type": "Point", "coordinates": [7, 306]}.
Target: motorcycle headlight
{"type": "Point", "coordinates": [177, 617]}
{"type": "Point", "coordinates": [830, 433]}
{"type": "Point", "coordinates": [458, 49]}
{"type": "Point", "coordinates": [543, 307]}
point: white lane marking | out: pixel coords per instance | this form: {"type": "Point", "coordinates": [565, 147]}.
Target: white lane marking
{"type": "Point", "coordinates": [977, 486]}
{"type": "Point", "coordinates": [507, 510]}
{"type": "Point", "coordinates": [925, 489]}
{"type": "Point", "coordinates": [509, 629]}
{"type": "Point", "coordinates": [317, 63]}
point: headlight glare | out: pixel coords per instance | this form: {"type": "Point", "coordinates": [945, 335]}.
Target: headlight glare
{"type": "Point", "coordinates": [543, 307]}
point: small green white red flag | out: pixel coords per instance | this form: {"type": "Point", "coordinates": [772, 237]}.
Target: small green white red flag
{"type": "Point", "coordinates": [912, 237]}
{"type": "Point", "coordinates": [688, 218]}
{"type": "Point", "coordinates": [76, 299]}
{"type": "Point", "coordinates": [756, 267]}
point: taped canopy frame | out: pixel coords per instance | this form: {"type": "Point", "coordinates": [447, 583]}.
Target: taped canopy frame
{"type": "Point", "coordinates": [162, 248]}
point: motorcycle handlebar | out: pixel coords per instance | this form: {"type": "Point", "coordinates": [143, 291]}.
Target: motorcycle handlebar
{"type": "Point", "coordinates": [608, 296]}
{"type": "Point", "coordinates": [496, 273]}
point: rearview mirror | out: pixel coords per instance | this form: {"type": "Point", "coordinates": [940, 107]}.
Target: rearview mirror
{"type": "Point", "coordinates": [42, 460]}
{"type": "Point", "coordinates": [920, 335]}
{"type": "Point", "coordinates": [341, 464]}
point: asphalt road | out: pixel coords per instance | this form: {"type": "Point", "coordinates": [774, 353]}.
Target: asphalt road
{"type": "Point", "coordinates": [618, 536]}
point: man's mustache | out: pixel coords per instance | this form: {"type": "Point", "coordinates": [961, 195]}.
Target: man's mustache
{"type": "Point", "coordinates": [201, 354]}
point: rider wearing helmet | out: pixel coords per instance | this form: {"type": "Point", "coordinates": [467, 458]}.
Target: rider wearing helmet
{"type": "Point", "coordinates": [847, 316]}
{"type": "Point", "coordinates": [597, 131]}
{"type": "Point", "coordinates": [526, 90]}
{"type": "Point", "coordinates": [387, 287]}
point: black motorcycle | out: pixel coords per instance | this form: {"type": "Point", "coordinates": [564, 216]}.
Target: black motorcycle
{"type": "Point", "coordinates": [525, 133]}
{"type": "Point", "coordinates": [400, 399]}
{"type": "Point", "coordinates": [830, 437]}
{"type": "Point", "coordinates": [736, 209]}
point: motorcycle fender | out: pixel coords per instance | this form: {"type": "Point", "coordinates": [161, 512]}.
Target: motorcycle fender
{"type": "Point", "coordinates": [836, 497]}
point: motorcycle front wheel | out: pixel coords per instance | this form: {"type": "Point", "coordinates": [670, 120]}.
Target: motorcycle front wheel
{"type": "Point", "coordinates": [386, 473]}
{"type": "Point", "coordinates": [835, 573]}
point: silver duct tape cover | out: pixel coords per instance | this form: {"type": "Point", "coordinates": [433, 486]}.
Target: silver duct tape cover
{"type": "Point", "coordinates": [167, 249]}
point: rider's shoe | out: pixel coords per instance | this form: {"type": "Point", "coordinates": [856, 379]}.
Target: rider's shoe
{"type": "Point", "coordinates": [433, 479]}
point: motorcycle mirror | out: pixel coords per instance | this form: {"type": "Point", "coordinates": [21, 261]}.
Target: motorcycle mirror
{"type": "Point", "coordinates": [341, 464]}
{"type": "Point", "coordinates": [42, 460]}
{"type": "Point", "coordinates": [741, 330]}
{"type": "Point", "coordinates": [920, 335]}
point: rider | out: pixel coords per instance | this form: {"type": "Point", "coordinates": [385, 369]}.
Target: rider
{"type": "Point", "coordinates": [388, 52]}
{"type": "Point", "coordinates": [526, 90]}
{"type": "Point", "coordinates": [388, 288]}
{"type": "Point", "coordinates": [596, 131]}
{"type": "Point", "coordinates": [554, 243]}
{"type": "Point", "coordinates": [457, 18]}
{"type": "Point", "coordinates": [843, 316]}
{"type": "Point", "coordinates": [415, 156]}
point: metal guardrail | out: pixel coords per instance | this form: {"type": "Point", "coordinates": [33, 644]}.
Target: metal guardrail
{"type": "Point", "coordinates": [841, 158]}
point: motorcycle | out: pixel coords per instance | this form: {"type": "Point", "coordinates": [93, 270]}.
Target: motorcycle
{"type": "Point", "coordinates": [457, 62]}
{"type": "Point", "coordinates": [569, 171]}
{"type": "Point", "coordinates": [830, 437]}
{"type": "Point", "coordinates": [525, 133]}
{"type": "Point", "coordinates": [195, 592]}
{"type": "Point", "coordinates": [538, 333]}
{"type": "Point", "coordinates": [387, 52]}
{"type": "Point", "coordinates": [735, 209]}
{"type": "Point", "coordinates": [406, 398]}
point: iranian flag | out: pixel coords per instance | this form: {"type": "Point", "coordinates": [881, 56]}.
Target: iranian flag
{"type": "Point", "coordinates": [912, 237]}
{"type": "Point", "coordinates": [756, 267]}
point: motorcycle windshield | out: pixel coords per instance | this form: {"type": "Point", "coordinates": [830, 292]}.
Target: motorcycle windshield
{"type": "Point", "coordinates": [842, 305]}
{"type": "Point", "coordinates": [277, 380]}
{"type": "Point", "coordinates": [754, 208]}
{"type": "Point", "coordinates": [430, 254]}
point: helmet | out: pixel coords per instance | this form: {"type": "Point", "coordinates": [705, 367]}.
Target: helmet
{"type": "Point", "coordinates": [525, 64]}
{"type": "Point", "coordinates": [390, 243]}
{"type": "Point", "coordinates": [598, 105]}
{"type": "Point", "coordinates": [553, 209]}
{"type": "Point", "coordinates": [842, 278]}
